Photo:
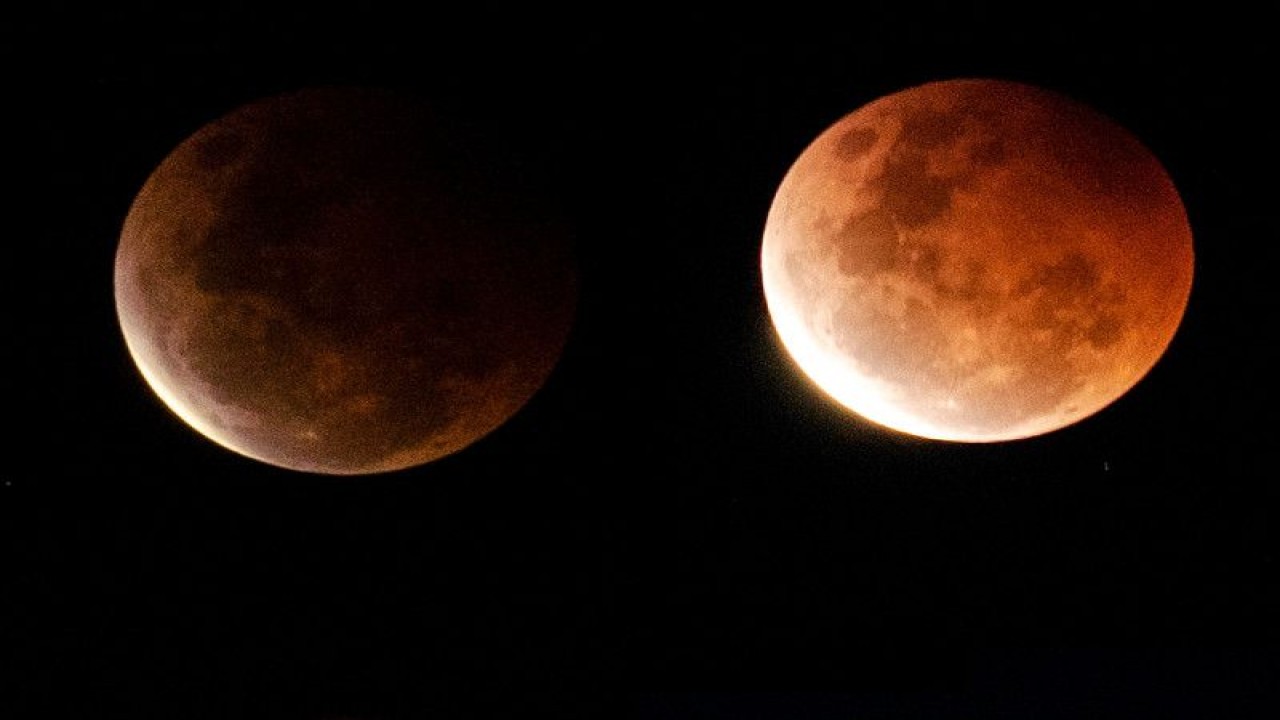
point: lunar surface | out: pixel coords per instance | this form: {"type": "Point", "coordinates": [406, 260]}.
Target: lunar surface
{"type": "Point", "coordinates": [337, 281]}
{"type": "Point", "coordinates": [976, 261]}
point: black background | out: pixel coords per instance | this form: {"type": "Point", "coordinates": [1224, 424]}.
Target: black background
{"type": "Point", "coordinates": [678, 522]}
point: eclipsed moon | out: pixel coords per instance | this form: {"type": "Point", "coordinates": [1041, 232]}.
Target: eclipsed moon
{"type": "Point", "coordinates": [976, 260]}
{"type": "Point", "coordinates": [339, 281]}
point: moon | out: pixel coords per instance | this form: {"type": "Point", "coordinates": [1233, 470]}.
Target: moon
{"type": "Point", "coordinates": [343, 281]}
{"type": "Point", "coordinates": [976, 260]}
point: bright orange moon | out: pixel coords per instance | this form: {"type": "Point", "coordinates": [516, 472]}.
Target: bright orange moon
{"type": "Point", "coordinates": [976, 260]}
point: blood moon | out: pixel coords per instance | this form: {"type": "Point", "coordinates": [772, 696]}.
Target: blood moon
{"type": "Point", "coordinates": [976, 260]}
{"type": "Point", "coordinates": [343, 281]}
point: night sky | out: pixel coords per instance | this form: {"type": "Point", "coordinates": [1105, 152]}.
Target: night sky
{"type": "Point", "coordinates": [678, 525]}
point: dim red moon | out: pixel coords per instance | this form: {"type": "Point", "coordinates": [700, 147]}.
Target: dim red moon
{"type": "Point", "coordinates": [976, 260]}
{"type": "Point", "coordinates": [342, 281]}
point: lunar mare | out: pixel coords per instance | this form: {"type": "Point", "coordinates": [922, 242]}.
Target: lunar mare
{"type": "Point", "coordinates": [332, 281]}
{"type": "Point", "coordinates": [976, 261]}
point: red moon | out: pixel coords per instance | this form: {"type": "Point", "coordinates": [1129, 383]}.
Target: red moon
{"type": "Point", "coordinates": [976, 260]}
{"type": "Point", "coordinates": [341, 281]}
